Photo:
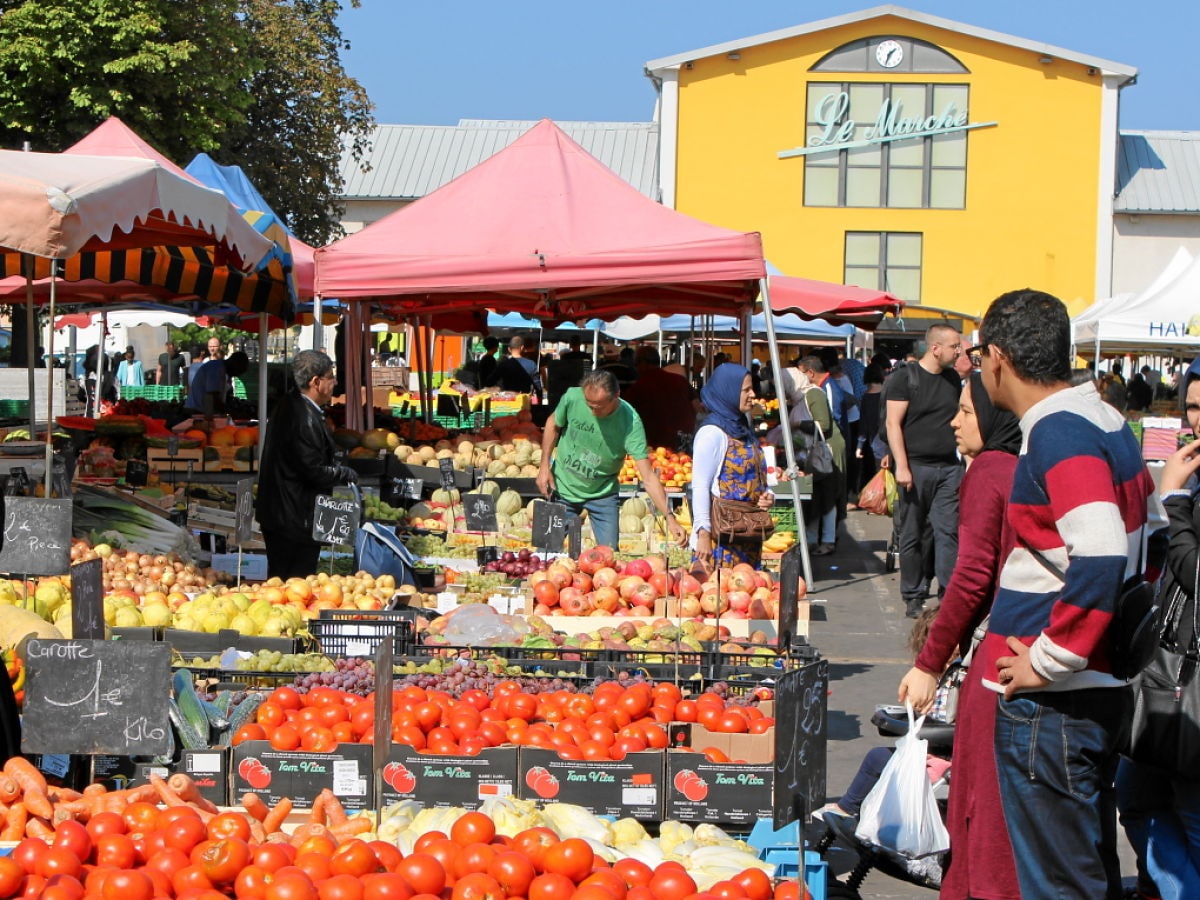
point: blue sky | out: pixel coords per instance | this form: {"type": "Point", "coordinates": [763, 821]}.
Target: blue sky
{"type": "Point", "coordinates": [434, 63]}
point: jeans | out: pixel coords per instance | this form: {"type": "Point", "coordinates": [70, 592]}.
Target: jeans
{"type": "Point", "coordinates": [1161, 815]}
{"type": "Point", "coordinates": [605, 515]}
{"type": "Point", "coordinates": [1056, 757]}
{"type": "Point", "coordinates": [929, 507]}
{"type": "Point", "coordinates": [865, 778]}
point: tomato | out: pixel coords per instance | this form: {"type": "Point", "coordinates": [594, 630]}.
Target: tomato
{"type": "Point", "coordinates": [727, 890]}
{"type": "Point", "coordinates": [533, 843]}
{"type": "Point", "coordinates": [521, 706]}
{"type": "Point", "coordinates": [592, 892]}
{"type": "Point", "coordinates": [608, 880]}
{"type": "Point", "coordinates": [385, 886]}
{"type": "Point", "coordinates": [11, 875]}
{"type": "Point", "coordinates": [755, 884]}
{"type": "Point", "coordinates": [105, 823]}
{"type": "Point", "coordinates": [732, 723]}
{"type": "Point", "coordinates": [445, 852]}
{"type": "Point", "coordinates": [185, 833]}
{"type": "Point", "coordinates": [340, 887]}
{"type": "Point", "coordinates": [319, 843]}
{"type": "Point", "coordinates": [421, 844]}
{"type": "Point", "coordinates": [686, 711]}
{"type": "Point", "coordinates": [671, 883]}
{"type": "Point", "coordinates": [251, 883]}
{"type": "Point", "coordinates": [271, 857]}
{"type": "Point", "coordinates": [291, 886]}
{"type": "Point", "coordinates": [168, 861]}
{"type": "Point", "coordinates": [656, 738]}
{"type": "Point", "coordinates": [116, 850]}
{"type": "Point", "coordinates": [640, 892]}
{"type": "Point", "coordinates": [270, 715]}
{"type": "Point", "coordinates": [58, 860]}
{"type": "Point", "coordinates": [387, 854]}
{"type": "Point", "coordinates": [285, 697]}
{"type": "Point", "coordinates": [285, 737]}
{"type": "Point", "coordinates": [423, 873]}
{"type": "Point", "coordinates": [551, 886]}
{"type": "Point", "coordinates": [73, 836]}
{"type": "Point", "coordinates": [318, 739]}
{"type": "Point", "coordinates": [141, 817]}
{"type": "Point", "coordinates": [473, 828]}
{"type": "Point", "coordinates": [513, 871]}
{"type": "Point", "coordinates": [354, 858]}
{"type": "Point", "coordinates": [317, 866]}
{"type": "Point", "coordinates": [146, 845]}
{"type": "Point", "coordinates": [62, 887]}
{"type": "Point", "coordinates": [789, 890]}
{"type": "Point", "coordinates": [572, 857]}
{"type": "Point", "coordinates": [477, 886]}
{"type": "Point", "coordinates": [715, 755]}
{"type": "Point", "coordinates": [223, 859]}
{"type": "Point", "coordinates": [229, 825]}
{"type": "Point", "coordinates": [634, 871]}
{"type": "Point", "coordinates": [251, 731]}
{"type": "Point", "coordinates": [474, 858]}
{"type": "Point", "coordinates": [190, 878]}
{"type": "Point", "coordinates": [127, 885]}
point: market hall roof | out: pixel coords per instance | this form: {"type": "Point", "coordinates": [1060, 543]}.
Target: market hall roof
{"type": "Point", "coordinates": [1158, 173]}
{"type": "Point", "coordinates": [1106, 67]}
{"type": "Point", "coordinates": [409, 161]}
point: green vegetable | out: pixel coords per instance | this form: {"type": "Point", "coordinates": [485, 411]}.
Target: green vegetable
{"type": "Point", "coordinates": [139, 529]}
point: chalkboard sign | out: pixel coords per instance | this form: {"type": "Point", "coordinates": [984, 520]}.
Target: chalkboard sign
{"type": "Point", "coordinates": [335, 519]}
{"type": "Point", "coordinates": [801, 704]}
{"type": "Point", "coordinates": [447, 466]}
{"type": "Point", "coordinates": [485, 555]}
{"type": "Point", "coordinates": [96, 697]}
{"type": "Point", "coordinates": [574, 536]}
{"type": "Point", "coordinates": [137, 471]}
{"type": "Point", "coordinates": [549, 526]}
{"type": "Point", "coordinates": [243, 522]}
{"type": "Point", "coordinates": [37, 536]}
{"type": "Point", "coordinates": [481, 512]}
{"type": "Point", "coordinates": [87, 600]}
{"type": "Point", "coordinates": [790, 569]}
{"type": "Point", "coordinates": [397, 485]}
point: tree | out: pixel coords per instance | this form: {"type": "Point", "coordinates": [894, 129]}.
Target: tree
{"type": "Point", "coordinates": [256, 83]}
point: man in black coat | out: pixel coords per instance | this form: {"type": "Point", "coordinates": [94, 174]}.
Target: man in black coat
{"type": "Point", "coordinates": [298, 464]}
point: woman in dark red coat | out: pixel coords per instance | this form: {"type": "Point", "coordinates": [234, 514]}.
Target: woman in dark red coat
{"type": "Point", "coordinates": [981, 861]}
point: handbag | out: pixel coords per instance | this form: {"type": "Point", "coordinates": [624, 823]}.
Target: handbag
{"type": "Point", "coordinates": [741, 520]}
{"type": "Point", "coordinates": [1165, 732]}
{"type": "Point", "coordinates": [900, 812]}
{"type": "Point", "coordinates": [819, 461]}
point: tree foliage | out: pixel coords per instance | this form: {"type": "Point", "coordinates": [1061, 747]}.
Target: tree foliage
{"type": "Point", "coordinates": [256, 83]}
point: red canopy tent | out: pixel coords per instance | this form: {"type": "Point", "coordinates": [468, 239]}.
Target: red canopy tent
{"type": "Point", "coordinates": [544, 229]}
{"type": "Point", "coordinates": [838, 304]}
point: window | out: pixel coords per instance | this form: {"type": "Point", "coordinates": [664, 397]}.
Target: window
{"type": "Point", "coordinates": [885, 261]}
{"type": "Point", "coordinates": [927, 171]}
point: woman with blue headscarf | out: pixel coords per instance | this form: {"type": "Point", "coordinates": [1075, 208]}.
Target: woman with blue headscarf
{"type": "Point", "coordinates": [726, 462]}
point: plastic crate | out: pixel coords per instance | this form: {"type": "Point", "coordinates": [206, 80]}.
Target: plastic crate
{"type": "Point", "coordinates": [345, 632]}
{"type": "Point", "coordinates": [659, 665]}
{"type": "Point", "coordinates": [784, 516]}
{"type": "Point", "coordinates": [469, 422]}
{"type": "Point", "coordinates": [573, 662]}
{"type": "Point", "coordinates": [782, 848]}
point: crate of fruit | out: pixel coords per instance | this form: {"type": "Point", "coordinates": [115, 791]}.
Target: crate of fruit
{"type": "Point", "coordinates": [350, 632]}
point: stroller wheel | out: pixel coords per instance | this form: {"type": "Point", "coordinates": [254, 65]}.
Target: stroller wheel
{"type": "Point", "coordinates": [891, 560]}
{"type": "Point", "coordinates": [835, 890]}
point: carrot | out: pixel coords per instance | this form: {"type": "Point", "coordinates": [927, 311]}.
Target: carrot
{"type": "Point", "coordinates": [9, 790]}
{"type": "Point", "coordinates": [95, 790]}
{"type": "Point", "coordinates": [25, 774]}
{"type": "Point", "coordinates": [317, 815]}
{"type": "Point", "coordinates": [61, 794]}
{"type": "Point", "coordinates": [168, 796]}
{"type": "Point", "coordinates": [257, 833]}
{"type": "Point", "coordinates": [14, 823]}
{"type": "Point", "coordinates": [254, 805]}
{"type": "Point", "coordinates": [334, 811]}
{"type": "Point", "coordinates": [312, 829]}
{"type": "Point", "coordinates": [79, 809]}
{"type": "Point", "coordinates": [273, 821]}
{"type": "Point", "coordinates": [62, 814]}
{"type": "Point", "coordinates": [38, 803]}
{"type": "Point", "coordinates": [185, 786]}
{"type": "Point", "coordinates": [350, 827]}
{"type": "Point", "coordinates": [37, 827]}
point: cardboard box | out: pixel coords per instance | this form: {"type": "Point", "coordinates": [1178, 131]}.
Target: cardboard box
{"type": "Point", "coordinates": [434, 780]}
{"type": "Point", "coordinates": [629, 787]}
{"type": "Point", "coordinates": [254, 565]}
{"type": "Point", "coordinates": [275, 774]}
{"type": "Point", "coordinates": [208, 768]}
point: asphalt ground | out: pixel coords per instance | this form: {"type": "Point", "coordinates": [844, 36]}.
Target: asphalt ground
{"type": "Point", "coordinates": [857, 623]}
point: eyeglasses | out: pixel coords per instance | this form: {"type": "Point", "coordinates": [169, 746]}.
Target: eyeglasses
{"type": "Point", "coordinates": [979, 350]}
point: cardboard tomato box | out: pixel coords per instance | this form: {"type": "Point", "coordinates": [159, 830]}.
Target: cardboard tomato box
{"type": "Point", "coordinates": [435, 780]}
{"type": "Point", "coordinates": [275, 774]}
{"type": "Point", "coordinates": [733, 792]}
{"type": "Point", "coordinates": [208, 768]}
{"type": "Point", "coordinates": [629, 787]}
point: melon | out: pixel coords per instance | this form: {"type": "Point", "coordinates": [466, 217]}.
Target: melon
{"type": "Point", "coordinates": [445, 497]}
{"type": "Point", "coordinates": [634, 506]}
{"type": "Point", "coordinates": [380, 439]}
{"type": "Point", "coordinates": [630, 524]}
{"type": "Point", "coordinates": [347, 438]}
{"type": "Point", "coordinates": [508, 503]}
{"type": "Point", "coordinates": [489, 487]}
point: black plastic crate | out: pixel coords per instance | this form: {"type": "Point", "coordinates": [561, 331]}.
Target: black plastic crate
{"type": "Point", "coordinates": [576, 662]}
{"type": "Point", "coordinates": [238, 680]}
{"type": "Point", "coordinates": [346, 632]}
{"type": "Point", "coordinates": [659, 665]}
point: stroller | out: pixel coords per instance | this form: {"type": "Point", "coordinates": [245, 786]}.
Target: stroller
{"type": "Point", "coordinates": [891, 721]}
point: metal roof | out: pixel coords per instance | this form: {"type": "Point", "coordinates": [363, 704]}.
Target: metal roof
{"type": "Point", "coordinates": [1105, 66]}
{"type": "Point", "coordinates": [409, 161]}
{"type": "Point", "coordinates": [1158, 172]}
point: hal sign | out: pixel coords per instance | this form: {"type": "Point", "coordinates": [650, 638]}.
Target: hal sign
{"type": "Point", "coordinates": [889, 125]}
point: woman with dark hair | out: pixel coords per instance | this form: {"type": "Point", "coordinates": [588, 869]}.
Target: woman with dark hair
{"type": "Point", "coordinates": [868, 426]}
{"type": "Point", "coordinates": [981, 858]}
{"type": "Point", "coordinates": [728, 463]}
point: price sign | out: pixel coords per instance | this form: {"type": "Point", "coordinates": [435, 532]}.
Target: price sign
{"type": "Point", "coordinates": [394, 491]}
{"type": "Point", "coordinates": [549, 526]}
{"type": "Point", "coordinates": [87, 600]}
{"type": "Point", "coordinates": [37, 536]}
{"type": "Point", "coordinates": [137, 471]}
{"type": "Point", "coordinates": [480, 511]}
{"type": "Point", "coordinates": [447, 467]}
{"type": "Point", "coordinates": [335, 519]}
{"type": "Point", "coordinates": [243, 523]}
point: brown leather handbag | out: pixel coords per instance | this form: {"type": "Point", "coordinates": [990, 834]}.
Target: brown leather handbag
{"type": "Point", "coordinates": [739, 520]}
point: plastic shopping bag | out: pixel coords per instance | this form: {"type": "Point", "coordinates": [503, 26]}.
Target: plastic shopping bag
{"type": "Point", "coordinates": [873, 497]}
{"type": "Point", "coordinates": [900, 812]}
{"type": "Point", "coordinates": [891, 490]}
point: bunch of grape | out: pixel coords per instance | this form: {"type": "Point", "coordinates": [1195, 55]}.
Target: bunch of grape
{"type": "Point", "coordinates": [482, 582]}
{"type": "Point", "coordinates": [481, 675]}
{"type": "Point", "coordinates": [740, 698]}
{"type": "Point", "coordinates": [269, 661]}
{"type": "Point", "coordinates": [426, 545]}
{"type": "Point", "coordinates": [354, 675]}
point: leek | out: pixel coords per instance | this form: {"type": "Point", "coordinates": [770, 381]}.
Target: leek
{"type": "Point", "coordinates": [135, 528]}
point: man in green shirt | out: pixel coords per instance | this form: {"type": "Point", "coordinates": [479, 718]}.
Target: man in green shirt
{"type": "Point", "coordinates": [594, 429]}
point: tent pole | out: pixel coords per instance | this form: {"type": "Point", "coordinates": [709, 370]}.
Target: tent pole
{"type": "Point", "coordinates": [367, 367]}
{"type": "Point", "coordinates": [101, 359]}
{"type": "Point", "coordinates": [430, 342]}
{"type": "Point", "coordinates": [786, 426]}
{"type": "Point", "coordinates": [595, 346]}
{"type": "Point", "coordinates": [262, 382]}
{"type": "Point", "coordinates": [30, 343]}
{"type": "Point", "coordinates": [49, 388]}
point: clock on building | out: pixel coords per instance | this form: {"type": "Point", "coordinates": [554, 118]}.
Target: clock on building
{"type": "Point", "coordinates": [889, 54]}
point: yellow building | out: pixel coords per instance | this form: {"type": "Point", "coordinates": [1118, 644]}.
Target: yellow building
{"type": "Point", "coordinates": [893, 149]}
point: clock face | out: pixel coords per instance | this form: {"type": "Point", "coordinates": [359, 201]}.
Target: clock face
{"type": "Point", "coordinates": [888, 54]}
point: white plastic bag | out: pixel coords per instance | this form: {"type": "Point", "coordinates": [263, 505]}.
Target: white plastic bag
{"type": "Point", "coordinates": [900, 812]}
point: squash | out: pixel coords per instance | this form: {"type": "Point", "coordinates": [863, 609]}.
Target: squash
{"type": "Point", "coordinates": [508, 503]}
{"type": "Point", "coordinates": [17, 623]}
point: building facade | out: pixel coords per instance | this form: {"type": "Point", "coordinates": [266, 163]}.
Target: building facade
{"type": "Point", "coordinates": [897, 150]}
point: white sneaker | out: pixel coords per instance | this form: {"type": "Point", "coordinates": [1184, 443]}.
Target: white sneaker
{"type": "Point", "coordinates": [829, 809]}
